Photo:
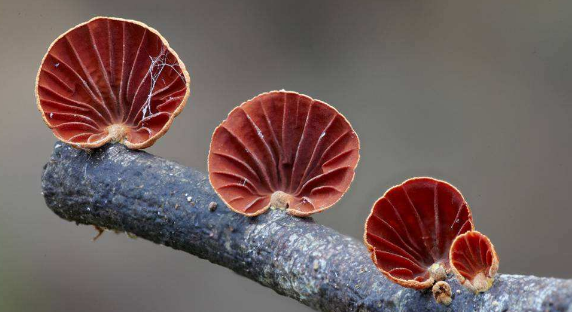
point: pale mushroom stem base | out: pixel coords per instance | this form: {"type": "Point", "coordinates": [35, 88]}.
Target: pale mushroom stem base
{"type": "Point", "coordinates": [480, 283]}
{"type": "Point", "coordinates": [132, 191]}
{"type": "Point", "coordinates": [117, 132]}
{"type": "Point", "coordinates": [279, 200]}
{"type": "Point", "coordinates": [438, 272]}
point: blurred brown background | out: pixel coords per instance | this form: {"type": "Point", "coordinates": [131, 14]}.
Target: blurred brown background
{"type": "Point", "coordinates": [474, 92]}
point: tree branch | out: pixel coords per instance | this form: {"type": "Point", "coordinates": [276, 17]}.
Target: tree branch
{"type": "Point", "coordinates": [159, 200]}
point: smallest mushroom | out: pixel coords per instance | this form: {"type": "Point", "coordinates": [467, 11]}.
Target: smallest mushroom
{"type": "Point", "coordinates": [442, 293]}
{"type": "Point", "coordinates": [474, 261]}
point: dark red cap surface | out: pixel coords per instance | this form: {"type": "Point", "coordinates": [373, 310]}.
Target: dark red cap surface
{"type": "Point", "coordinates": [285, 150]}
{"type": "Point", "coordinates": [111, 79]}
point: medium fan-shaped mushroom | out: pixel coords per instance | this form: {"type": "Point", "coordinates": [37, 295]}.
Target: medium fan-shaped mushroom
{"type": "Point", "coordinates": [111, 80]}
{"type": "Point", "coordinates": [411, 228]}
{"type": "Point", "coordinates": [283, 150]}
{"type": "Point", "coordinates": [474, 261]}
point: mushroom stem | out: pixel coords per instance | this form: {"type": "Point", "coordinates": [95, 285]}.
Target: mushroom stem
{"type": "Point", "coordinates": [480, 283]}
{"type": "Point", "coordinates": [279, 200]}
{"type": "Point", "coordinates": [117, 132]}
{"type": "Point", "coordinates": [438, 271]}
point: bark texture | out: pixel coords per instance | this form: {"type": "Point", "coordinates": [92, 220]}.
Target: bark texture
{"type": "Point", "coordinates": [172, 205]}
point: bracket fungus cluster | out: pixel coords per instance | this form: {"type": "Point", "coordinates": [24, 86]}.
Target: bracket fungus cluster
{"type": "Point", "coordinates": [417, 233]}
{"type": "Point", "coordinates": [111, 80]}
{"type": "Point", "coordinates": [283, 150]}
{"type": "Point", "coordinates": [116, 80]}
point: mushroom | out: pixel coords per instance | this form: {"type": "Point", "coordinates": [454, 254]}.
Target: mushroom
{"type": "Point", "coordinates": [442, 293]}
{"type": "Point", "coordinates": [111, 80]}
{"type": "Point", "coordinates": [411, 228]}
{"type": "Point", "coordinates": [283, 150]}
{"type": "Point", "coordinates": [474, 261]}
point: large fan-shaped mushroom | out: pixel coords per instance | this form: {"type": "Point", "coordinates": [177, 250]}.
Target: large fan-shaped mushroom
{"type": "Point", "coordinates": [411, 228]}
{"type": "Point", "coordinates": [474, 261]}
{"type": "Point", "coordinates": [285, 150]}
{"type": "Point", "coordinates": [111, 79]}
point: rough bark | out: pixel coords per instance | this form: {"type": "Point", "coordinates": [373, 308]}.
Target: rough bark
{"type": "Point", "coordinates": [169, 204]}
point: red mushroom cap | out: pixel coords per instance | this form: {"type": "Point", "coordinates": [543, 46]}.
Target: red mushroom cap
{"type": "Point", "coordinates": [410, 229]}
{"type": "Point", "coordinates": [284, 150]}
{"type": "Point", "coordinates": [474, 261]}
{"type": "Point", "coordinates": [111, 79]}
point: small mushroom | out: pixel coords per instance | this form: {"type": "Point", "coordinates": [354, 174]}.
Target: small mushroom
{"type": "Point", "coordinates": [111, 80]}
{"type": "Point", "coordinates": [284, 150]}
{"type": "Point", "coordinates": [474, 261]}
{"type": "Point", "coordinates": [411, 228]}
{"type": "Point", "coordinates": [442, 293]}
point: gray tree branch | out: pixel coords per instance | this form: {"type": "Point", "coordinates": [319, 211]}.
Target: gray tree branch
{"type": "Point", "coordinates": [169, 204]}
